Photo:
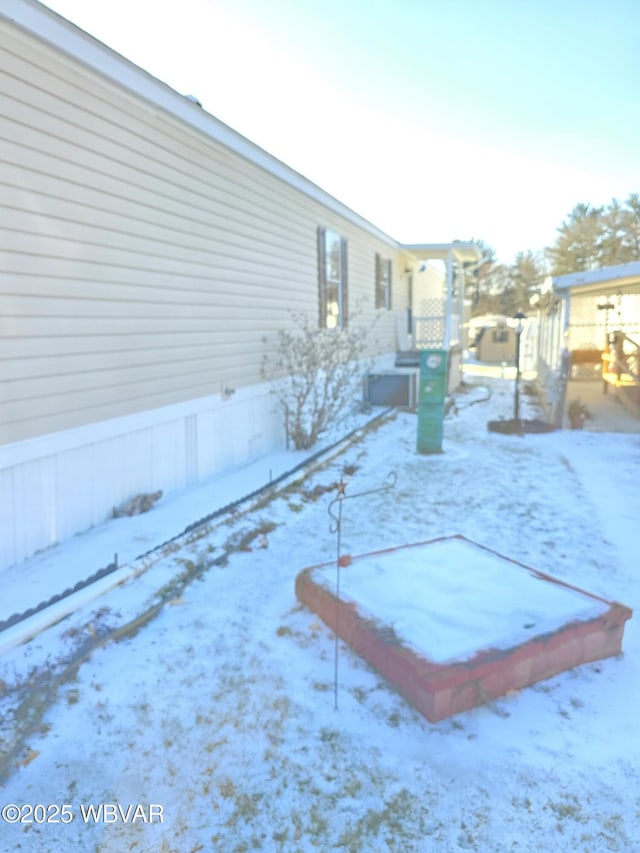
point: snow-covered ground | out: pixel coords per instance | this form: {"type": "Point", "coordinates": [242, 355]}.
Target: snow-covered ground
{"type": "Point", "coordinates": [218, 705]}
{"type": "Point", "coordinates": [60, 567]}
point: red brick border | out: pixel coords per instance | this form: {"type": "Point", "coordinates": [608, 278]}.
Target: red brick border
{"type": "Point", "coordinates": [440, 690]}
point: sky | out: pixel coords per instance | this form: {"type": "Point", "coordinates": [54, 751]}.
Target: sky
{"type": "Point", "coordinates": [471, 119]}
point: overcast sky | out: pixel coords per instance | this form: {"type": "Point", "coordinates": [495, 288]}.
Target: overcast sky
{"type": "Point", "coordinates": [435, 120]}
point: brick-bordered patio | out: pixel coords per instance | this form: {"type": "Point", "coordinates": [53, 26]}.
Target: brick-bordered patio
{"type": "Point", "coordinates": [439, 689]}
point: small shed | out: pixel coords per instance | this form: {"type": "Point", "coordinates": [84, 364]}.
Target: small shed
{"type": "Point", "coordinates": [496, 343]}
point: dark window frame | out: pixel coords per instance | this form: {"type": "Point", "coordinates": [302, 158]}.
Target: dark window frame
{"type": "Point", "coordinates": [383, 276]}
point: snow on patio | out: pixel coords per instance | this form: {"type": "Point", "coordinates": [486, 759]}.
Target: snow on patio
{"type": "Point", "coordinates": [220, 707]}
{"type": "Point", "coordinates": [449, 599]}
{"type": "Point", "coordinates": [452, 625]}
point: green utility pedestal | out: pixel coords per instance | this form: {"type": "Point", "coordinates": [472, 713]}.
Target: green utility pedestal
{"type": "Point", "coordinates": [433, 386]}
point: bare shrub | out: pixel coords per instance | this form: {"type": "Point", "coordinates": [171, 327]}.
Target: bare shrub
{"type": "Point", "coordinates": [314, 375]}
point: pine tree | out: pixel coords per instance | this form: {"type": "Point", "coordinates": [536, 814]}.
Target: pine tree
{"type": "Point", "coordinates": [613, 230]}
{"type": "Point", "coordinates": [577, 247]}
{"type": "Point", "coordinates": [505, 288]}
{"type": "Point", "coordinates": [527, 273]}
{"type": "Point", "coordinates": [595, 237]}
{"type": "Point", "coordinates": [631, 235]}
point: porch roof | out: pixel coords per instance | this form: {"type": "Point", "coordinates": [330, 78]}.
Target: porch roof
{"type": "Point", "coordinates": [616, 279]}
{"type": "Point", "coordinates": [462, 252]}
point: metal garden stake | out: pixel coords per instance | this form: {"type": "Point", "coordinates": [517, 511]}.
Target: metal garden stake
{"type": "Point", "coordinates": [336, 527]}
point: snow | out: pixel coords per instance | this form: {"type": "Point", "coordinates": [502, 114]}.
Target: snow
{"type": "Point", "coordinates": [220, 706]}
{"type": "Point", "coordinates": [60, 567]}
{"type": "Point", "coordinates": [451, 599]}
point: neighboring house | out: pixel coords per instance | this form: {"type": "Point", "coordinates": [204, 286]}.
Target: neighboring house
{"type": "Point", "coordinates": [147, 252]}
{"type": "Point", "coordinates": [579, 315]}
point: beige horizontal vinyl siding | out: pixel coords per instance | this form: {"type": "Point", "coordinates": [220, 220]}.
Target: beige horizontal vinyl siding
{"type": "Point", "coordinates": [141, 262]}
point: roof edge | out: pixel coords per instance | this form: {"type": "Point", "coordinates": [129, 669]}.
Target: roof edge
{"type": "Point", "coordinates": [599, 276]}
{"type": "Point", "coordinates": [463, 251]}
{"type": "Point", "coordinates": [53, 29]}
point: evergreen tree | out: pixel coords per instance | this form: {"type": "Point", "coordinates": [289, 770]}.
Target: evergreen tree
{"type": "Point", "coordinates": [631, 233]}
{"type": "Point", "coordinates": [505, 288]}
{"type": "Point", "coordinates": [613, 230]}
{"type": "Point", "coordinates": [526, 275]}
{"type": "Point", "coordinates": [577, 247]}
{"type": "Point", "coordinates": [595, 237]}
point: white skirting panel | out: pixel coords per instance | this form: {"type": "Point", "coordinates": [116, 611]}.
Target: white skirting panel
{"type": "Point", "coordinates": [60, 484]}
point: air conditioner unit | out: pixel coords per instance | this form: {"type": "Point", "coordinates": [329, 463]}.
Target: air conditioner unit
{"type": "Point", "coordinates": [392, 388]}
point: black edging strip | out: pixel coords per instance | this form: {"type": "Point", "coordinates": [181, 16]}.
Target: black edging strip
{"type": "Point", "coordinates": [231, 506]}
{"type": "Point", "coordinates": [16, 618]}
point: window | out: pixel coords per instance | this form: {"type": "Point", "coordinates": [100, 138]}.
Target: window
{"type": "Point", "coordinates": [332, 279]}
{"type": "Point", "coordinates": [383, 282]}
{"type": "Point", "coordinates": [501, 336]}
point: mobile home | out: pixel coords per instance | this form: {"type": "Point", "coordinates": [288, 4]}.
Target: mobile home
{"type": "Point", "coordinates": [148, 251]}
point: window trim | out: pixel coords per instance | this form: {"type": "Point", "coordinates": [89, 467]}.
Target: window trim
{"type": "Point", "coordinates": [324, 282]}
